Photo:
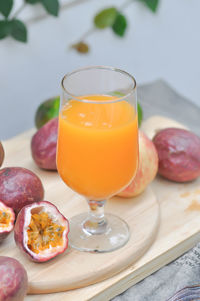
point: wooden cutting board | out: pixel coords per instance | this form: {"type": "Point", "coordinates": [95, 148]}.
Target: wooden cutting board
{"type": "Point", "coordinates": [179, 230]}
{"type": "Point", "coordinates": [75, 269]}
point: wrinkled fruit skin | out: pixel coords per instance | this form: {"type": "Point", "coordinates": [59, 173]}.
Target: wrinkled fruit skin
{"type": "Point", "coordinates": [19, 187]}
{"type": "Point", "coordinates": [19, 232]}
{"type": "Point", "coordinates": [4, 232]}
{"type": "Point", "coordinates": [43, 145]}
{"type": "Point", "coordinates": [147, 168]}
{"type": "Point", "coordinates": [179, 154]}
{"type": "Point", "coordinates": [13, 280]}
{"type": "Point", "coordinates": [1, 154]}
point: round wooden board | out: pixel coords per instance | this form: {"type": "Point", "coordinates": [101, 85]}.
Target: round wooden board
{"type": "Point", "coordinates": [75, 269]}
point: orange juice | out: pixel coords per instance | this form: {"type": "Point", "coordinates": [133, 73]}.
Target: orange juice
{"type": "Point", "coordinates": [97, 151]}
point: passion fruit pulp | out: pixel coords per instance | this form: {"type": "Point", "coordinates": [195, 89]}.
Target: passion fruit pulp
{"type": "Point", "coordinates": [7, 219]}
{"type": "Point", "coordinates": [41, 231]}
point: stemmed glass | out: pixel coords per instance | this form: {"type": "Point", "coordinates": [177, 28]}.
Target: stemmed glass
{"type": "Point", "coordinates": [97, 152]}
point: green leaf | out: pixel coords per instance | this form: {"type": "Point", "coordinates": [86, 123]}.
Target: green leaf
{"type": "Point", "coordinates": [105, 18]}
{"type": "Point", "coordinates": [5, 7]}
{"type": "Point", "coordinates": [32, 1]}
{"type": "Point", "coordinates": [4, 29]}
{"type": "Point", "coordinates": [152, 4]}
{"type": "Point", "coordinates": [51, 6]}
{"type": "Point", "coordinates": [119, 25]}
{"type": "Point", "coordinates": [18, 30]}
{"type": "Point", "coordinates": [140, 114]}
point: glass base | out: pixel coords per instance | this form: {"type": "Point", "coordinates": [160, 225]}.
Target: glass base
{"type": "Point", "coordinates": [115, 236]}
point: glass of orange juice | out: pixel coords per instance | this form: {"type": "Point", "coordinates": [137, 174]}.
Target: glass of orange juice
{"type": "Point", "coordinates": [97, 151]}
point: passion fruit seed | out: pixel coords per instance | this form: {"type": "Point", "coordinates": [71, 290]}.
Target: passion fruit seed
{"type": "Point", "coordinates": [4, 219]}
{"type": "Point", "coordinates": [43, 233]}
{"type": "Point", "coordinates": [7, 219]}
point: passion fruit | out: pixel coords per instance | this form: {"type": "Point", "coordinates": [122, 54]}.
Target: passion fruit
{"type": "Point", "coordinates": [43, 145]}
{"type": "Point", "coordinates": [46, 111]}
{"type": "Point", "coordinates": [41, 231]}
{"type": "Point", "coordinates": [147, 168]}
{"type": "Point", "coordinates": [13, 280]}
{"type": "Point", "coordinates": [7, 219]}
{"type": "Point", "coordinates": [19, 187]}
{"type": "Point", "coordinates": [1, 154]}
{"type": "Point", "coordinates": [178, 153]}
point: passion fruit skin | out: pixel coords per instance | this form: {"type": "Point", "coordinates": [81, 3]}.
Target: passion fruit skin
{"type": "Point", "coordinates": [19, 233]}
{"type": "Point", "coordinates": [44, 144]}
{"type": "Point", "coordinates": [4, 233]}
{"type": "Point", "coordinates": [2, 154]}
{"type": "Point", "coordinates": [13, 280]}
{"type": "Point", "coordinates": [179, 154]}
{"type": "Point", "coordinates": [46, 111]}
{"type": "Point", "coordinates": [19, 187]}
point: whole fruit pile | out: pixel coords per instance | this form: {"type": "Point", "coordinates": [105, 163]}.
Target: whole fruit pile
{"type": "Point", "coordinates": [174, 153]}
{"type": "Point", "coordinates": [175, 157]}
{"type": "Point", "coordinates": [45, 235]}
{"type": "Point", "coordinates": [40, 230]}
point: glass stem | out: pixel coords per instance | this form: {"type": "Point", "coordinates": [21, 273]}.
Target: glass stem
{"type": "Point", "coordinates": [96, 222]}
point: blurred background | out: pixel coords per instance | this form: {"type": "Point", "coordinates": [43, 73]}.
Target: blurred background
{"type": "Point", "coordinates": [162, 44]}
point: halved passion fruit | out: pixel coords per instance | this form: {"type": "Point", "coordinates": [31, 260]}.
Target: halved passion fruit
{"type": "Point", "coordinates": [41, 231]}
{"type": "Point", "coordinates": [7, 219]}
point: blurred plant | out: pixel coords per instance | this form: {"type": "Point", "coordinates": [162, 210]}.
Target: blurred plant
{"type": "Point", "coordinates": [12, 26]}
{"type": "Point", "coordinates": [111, 17]}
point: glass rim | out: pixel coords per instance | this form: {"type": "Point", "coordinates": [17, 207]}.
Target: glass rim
{"type": "Point", "coordinates": [133, 88]}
